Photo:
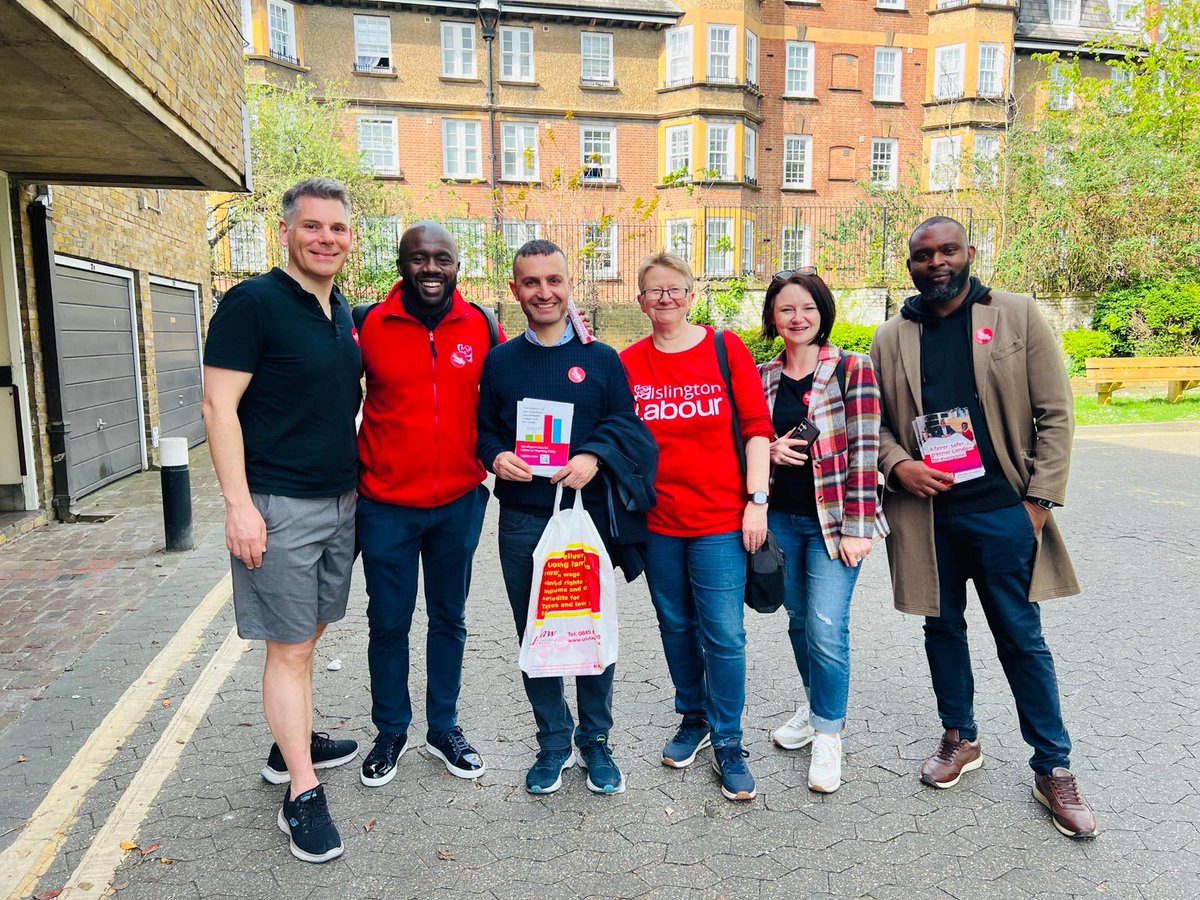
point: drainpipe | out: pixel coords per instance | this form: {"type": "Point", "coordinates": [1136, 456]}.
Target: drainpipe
{"type": "Point", "coordinates": [41, 235]}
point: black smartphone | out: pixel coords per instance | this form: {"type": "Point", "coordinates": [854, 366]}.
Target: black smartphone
{"type": "Point", "coordinates": [805, 431]}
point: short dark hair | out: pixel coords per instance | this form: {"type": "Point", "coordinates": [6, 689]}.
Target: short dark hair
{"type": "Point", "coordinates": [537, 247]}
{"type": "Point", "coordinates": [318, 188]}
{"type": "Point", "coordinates": [821, 295]}
{"type": "Point", "coordinates": [938, 220]}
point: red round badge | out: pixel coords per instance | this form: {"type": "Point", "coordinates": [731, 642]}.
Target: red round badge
{"type": "Point", "coordinates": [576, 374]}
{"type": "Point", "coordinates": [983, 335]}
{"type": "Point", "coordinates": [354, 334]}
{"type": "Point", "coordinates": [807, 398]}
{"type": "Point", "coordinates": [456, 360]}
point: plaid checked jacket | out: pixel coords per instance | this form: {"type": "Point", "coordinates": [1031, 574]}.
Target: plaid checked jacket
{"type": "Point", "coordinates": [845, 456]}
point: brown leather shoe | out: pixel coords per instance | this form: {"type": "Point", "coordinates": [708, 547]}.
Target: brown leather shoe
{"type": "Point", "coordinates": [953, 757]}
{"type": "Point", "coordinates": [1071, 814]}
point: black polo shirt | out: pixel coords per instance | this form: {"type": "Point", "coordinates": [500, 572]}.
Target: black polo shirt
{"type": "Point", "coordinates": [298, 412]}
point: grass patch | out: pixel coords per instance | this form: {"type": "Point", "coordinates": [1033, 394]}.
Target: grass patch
{"type": "Point", "coordinates": [1129, 406]}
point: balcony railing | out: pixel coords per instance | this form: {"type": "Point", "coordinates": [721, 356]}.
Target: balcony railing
{"type": "Point", "coordinates": [276, 53]}
{"type": "Point", "coordinates": [372, 69]}
{"type": "Point", "coordinates": [597, 80]}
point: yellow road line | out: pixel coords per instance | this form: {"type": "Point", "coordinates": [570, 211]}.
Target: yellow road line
{"type": "Point", "coordinates": [95, 871]}
{"type": "Point", "coordinates": [30, 855]}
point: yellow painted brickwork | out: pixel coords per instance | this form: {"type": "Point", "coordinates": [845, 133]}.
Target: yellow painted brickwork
{"type": "Point", "coordinates": [187, 53]}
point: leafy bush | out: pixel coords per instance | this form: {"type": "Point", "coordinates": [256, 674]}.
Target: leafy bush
{"type": "Point", "coordinates": [762, 349]}
{"type": "Point", "coordinates": [848, 336]}
{"type": "Point", "coordinates": [1158, 317]}
{"type": "Point", "coordinates": [1082, 344]}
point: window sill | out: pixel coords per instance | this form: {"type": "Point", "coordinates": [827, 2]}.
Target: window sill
{"type": "Point", "coordinates": [375, 73]}
{"type": "Point", "coordinates": [599, 182]}
{"type": "Point", "coordinates": [283, 64]}
{"type": "Point", "coordinates": [388, 176]}
{"type": "Point", "coordinates": [845, 89]}
{"type": "Point", "coordinates": [789, 189]}
{"type": "Point", "coordinates": [799, 98]}
{"type": "Point", "coordinates": [602, 88]}
{"type": "Point", "coordinates": [520, 181]}
{"type": "Point", "coordinates": [450, 179]}
{"type": "Point", "coordinates": [711, 85]}
{"type": "Point", "coordinates": [886, 103]}
{"type": "Point", "coordinates": [892, 9]}
{"type": "Point", "coordinates": [517, 82]}
{"type": "Point", "coordinates": [461, 79]}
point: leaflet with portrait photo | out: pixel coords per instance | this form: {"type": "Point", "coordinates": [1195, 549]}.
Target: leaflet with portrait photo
{"type": "Point", "coordinates": [947, 443]}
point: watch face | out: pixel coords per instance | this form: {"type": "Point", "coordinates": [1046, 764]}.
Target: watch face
{"type": "Point", "coordinates": [759, 497]}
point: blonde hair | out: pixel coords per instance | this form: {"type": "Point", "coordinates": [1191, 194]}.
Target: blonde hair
{"type": "Point", "coordinates": [667, 260]}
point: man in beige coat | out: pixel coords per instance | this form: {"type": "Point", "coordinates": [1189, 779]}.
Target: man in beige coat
{"type": "Point", "coordinates": [988, 363]}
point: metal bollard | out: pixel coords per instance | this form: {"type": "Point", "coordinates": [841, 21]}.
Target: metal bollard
{"type": "Point", "coordinates": [176, 492]}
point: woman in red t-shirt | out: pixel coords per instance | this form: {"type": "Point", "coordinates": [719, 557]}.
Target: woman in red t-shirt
{"type": "Point", "coordinates": [708, 514]}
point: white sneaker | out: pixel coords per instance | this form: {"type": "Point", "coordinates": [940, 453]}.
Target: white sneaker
{"type": "Point", "coordinates": [796, 733]}
{"type": "Point", "coordinates": [825, 769]}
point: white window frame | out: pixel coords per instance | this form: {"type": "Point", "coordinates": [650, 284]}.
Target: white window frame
{"type": "Point", "coordinates": [677, 238]}
{"type": "Point", "coordinates": [606, 39]}
{"type": "Point", "coordinates": [247, 27]}
{"type": "Point", "coordinates": [469, 236]}
{"type": "Point", "coordinates": [749, 154]}
{"type": "Point", "coordinates": [247, 241]}
{"type": "Point", "coordinates": [1064, 12]}
{"type": "Point", "coordinates": [1120, 85]}
{"type": "Point", "coordinates": [747, 246]}
{"type": "Point", "coordinates": [952, 165]}
{"type": "Point", "coordinates": [889, 4]}
{"type": "Point", "coordinates": [715, 228]}
{"type": "Point", "coordinates": [608, 169]}
{"type": "Point", "coordinates": [889, 89]}
{"type": "Point", "coordinates": [462, 130]}
{"type": "Point", "coordinates": [797, 153]}
{"type": "Point", "coordinates": [516, 62]}
{"type": "Point", "coordinates": [367, 57]}
{"type": "Point", "coordinates": [679, 67]}
{"type": "Point", "coordinates": [381, 149]}
{"type": "Point", "coordinates": [1123, 13]}
{"type": "Point", "coordinates": [601, 265]}
{"type": "Point", "coordinates": [519, 151]}
{"type": "Point", "coordinates": [795, 247]}
{"type": "Point", "coordinates": [985, 156]}
{"type": "Point", "coordinates": [1062, 96]}
{"type": "Point", "coordinates": [891, 160]}
{"type": "Point", "coordinates": [728, 59]}
{"type": "Point", "coordinates": [799, 69]}
{"type": "Point", "coordinates": [517, 232]}
{"type": "Point", "coordinates": [724, 170]}
{"type": "Point", "coordinates": [287, 51]}
{"type": "Point", "coordinates": [948, 84]}
{"type": "Point", "coordinates": [995, 71]}
{"type": "Point", "coordinates": [458, 50]}
{"type": "Point", "coordinates": [751, 57]}
{"type": "Point", "coordinates": [674, 158]}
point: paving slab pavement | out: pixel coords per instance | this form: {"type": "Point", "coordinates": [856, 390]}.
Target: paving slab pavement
{"type": "Point", "coordinates": [1127, 659]}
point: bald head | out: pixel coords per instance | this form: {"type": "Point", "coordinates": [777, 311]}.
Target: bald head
{"type": "Point", "coordinates": [938, 222]}
{"type": "Point", "coordinates": [428, 264]}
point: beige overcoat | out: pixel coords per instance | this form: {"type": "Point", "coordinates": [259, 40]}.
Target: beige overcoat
{"type": "Point", "coordinates": [1026, 401]}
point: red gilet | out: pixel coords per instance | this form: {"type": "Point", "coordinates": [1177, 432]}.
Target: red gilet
{"type": "Point", "coordinates": [416, 446]}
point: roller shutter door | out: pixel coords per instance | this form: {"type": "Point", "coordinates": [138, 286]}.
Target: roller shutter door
{"type": "Point", "coordinates": [177, 361]}
{"type": "Point", "coordinates": [99, 376]}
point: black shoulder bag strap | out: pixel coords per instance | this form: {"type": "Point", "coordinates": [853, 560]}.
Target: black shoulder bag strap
{"type": "Point", "coordinates": [359, 313]}
{"type": "Point", "coordinates": [492, 324]}
{"type": "Point", "coordinates": [739, 445]}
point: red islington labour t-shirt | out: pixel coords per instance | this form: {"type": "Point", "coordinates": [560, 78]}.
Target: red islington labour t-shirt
{"type": "Point", "coordinates": [683, 401]}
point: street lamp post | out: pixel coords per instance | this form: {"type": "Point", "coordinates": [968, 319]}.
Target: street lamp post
{"type": "Point", "coordinates": [489, 16]}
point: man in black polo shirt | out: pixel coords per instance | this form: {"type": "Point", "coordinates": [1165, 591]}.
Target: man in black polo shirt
{"type": "Point", "coordinates": [281, 392]}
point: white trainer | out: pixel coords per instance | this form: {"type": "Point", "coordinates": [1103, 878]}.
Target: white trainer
{"type": "Point", "coordinates": [796, 732]}
{"type": "Point", "coordinates": [825, 769]}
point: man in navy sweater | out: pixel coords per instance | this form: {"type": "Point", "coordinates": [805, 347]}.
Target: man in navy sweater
{"type": "Point", "coordinates": [551, 362]}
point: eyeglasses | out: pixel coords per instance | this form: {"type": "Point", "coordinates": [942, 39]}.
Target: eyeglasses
{"type": "Point", "coordinates": [803, 270]}
{"type": "Point", "coordinates": [656, 294]}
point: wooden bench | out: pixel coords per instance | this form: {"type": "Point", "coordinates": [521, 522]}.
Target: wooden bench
{"type": "Point", "coordinates": [1181, 373]}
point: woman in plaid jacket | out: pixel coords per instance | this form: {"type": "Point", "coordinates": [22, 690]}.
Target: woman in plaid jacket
{"type": "Point", "coordinates": [823, 509]}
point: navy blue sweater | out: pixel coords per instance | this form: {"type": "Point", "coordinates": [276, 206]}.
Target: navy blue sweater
{"type": "Point", "coordinates": [518, 370]}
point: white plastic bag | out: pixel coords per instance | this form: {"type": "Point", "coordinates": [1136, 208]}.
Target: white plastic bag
{"type": "Point", "coordinates": [572, 624]}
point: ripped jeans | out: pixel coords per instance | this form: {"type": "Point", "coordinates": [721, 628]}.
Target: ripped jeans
{"type": "Point", "coordinates": [817, 599]}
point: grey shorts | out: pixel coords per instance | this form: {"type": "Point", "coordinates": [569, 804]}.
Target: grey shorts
{"type": "Point", "coordinates": [304, 579]}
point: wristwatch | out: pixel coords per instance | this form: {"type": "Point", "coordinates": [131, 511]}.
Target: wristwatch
{"type": "Point", "coordinates": [758, 498]}
{"type": "Point", "coordinates": [1044, 504]}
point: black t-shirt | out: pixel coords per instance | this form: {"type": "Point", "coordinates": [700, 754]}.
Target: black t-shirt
{"type": "Point", "coordinates": [948, 382]}
{"type": "Point", "coordinates": [793, 490]}
{"type": "Point", "coordinates": [298, 412]}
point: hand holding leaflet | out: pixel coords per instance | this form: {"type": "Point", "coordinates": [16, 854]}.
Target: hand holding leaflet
{"type": "Point", "coordinates": [947, 442]}
{"type": "Point", "coordinates": [544, 434]}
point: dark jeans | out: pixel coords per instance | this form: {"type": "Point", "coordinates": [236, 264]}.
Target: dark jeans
{"type": "Point", "coordinates": [995, 550]}
{"type": "Point", "coordinates": [393, 539]}
{"type": "Point", "coordinates": [519, 535]}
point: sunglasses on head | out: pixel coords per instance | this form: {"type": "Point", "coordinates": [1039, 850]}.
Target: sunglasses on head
{"type": "Point", "coordinates": [803, 270]}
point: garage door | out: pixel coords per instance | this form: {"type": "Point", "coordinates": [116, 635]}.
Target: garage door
{"type": "Point", "coordinates": [177, 360]}
{"type": "Point", "coordinates": [99, 375]}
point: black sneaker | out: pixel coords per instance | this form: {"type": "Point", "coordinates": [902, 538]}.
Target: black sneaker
{"type": "Point", "coordinates": [326, 753]}
{"type": "Point", "coordinates": [306, 822]}
{"type": "Point", "coordinates": [380, 765]}
{"type": "Point", "coordinates": [454, 750]}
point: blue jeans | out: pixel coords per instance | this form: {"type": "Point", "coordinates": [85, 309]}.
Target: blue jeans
{"type": "Point", "coordinates": [995, 550]}
{"type": "Point", "coordinates": [393, 539]}
{"type": "Point", "coordinates": [519, 536]}
{"type": "Point", "coordinates": [817, 599]}
{"type": "Point", "coordinates": [698, 586]}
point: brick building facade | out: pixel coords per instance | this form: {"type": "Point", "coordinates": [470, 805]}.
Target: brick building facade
{"type": "Point", "coordinates": [117, 116]}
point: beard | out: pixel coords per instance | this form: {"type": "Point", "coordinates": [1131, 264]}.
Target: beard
{"type": "Point", "coordinates": [943, 293]}
{"type": "Point", "coordinates": [417, 297]}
